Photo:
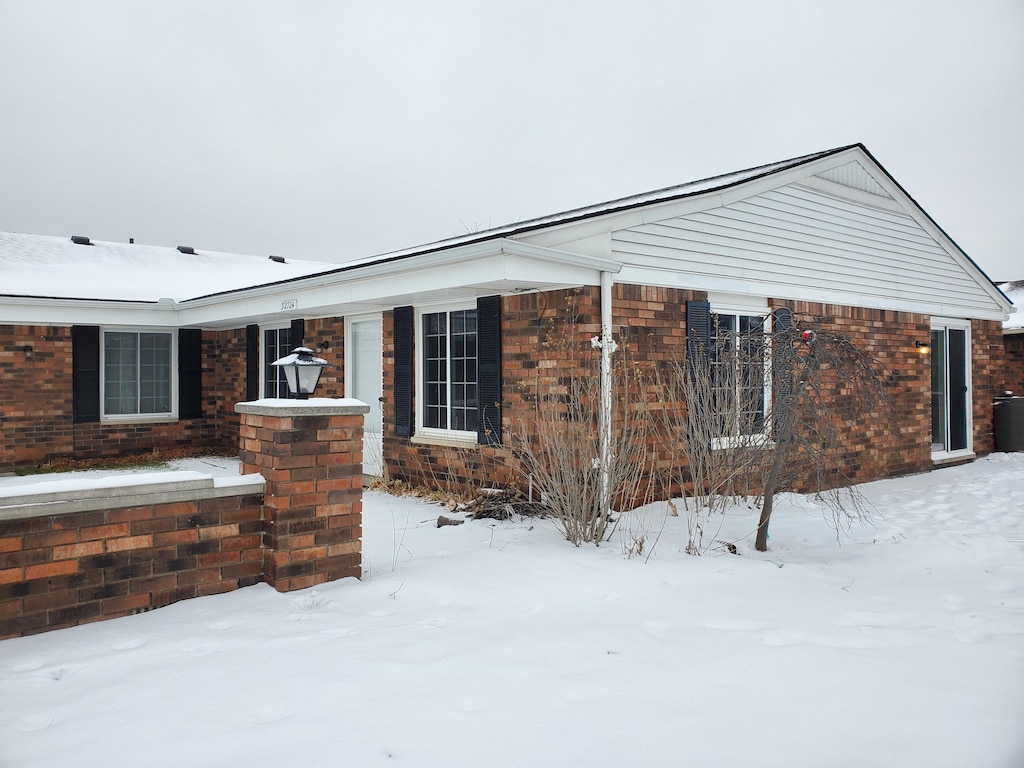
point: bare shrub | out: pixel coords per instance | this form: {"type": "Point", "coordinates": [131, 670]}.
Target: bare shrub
{"type": "Point", "coordinates": [709, 416]}
{"type": "Point", "coordinates": [558, 446]}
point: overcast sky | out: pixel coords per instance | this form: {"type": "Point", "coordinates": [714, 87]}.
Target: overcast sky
{"type": "Point", "coordinates": [337, 130]}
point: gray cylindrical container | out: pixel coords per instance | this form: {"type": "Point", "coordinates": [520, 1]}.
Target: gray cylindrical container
{"type": "Point", "coordinates": [1008, 423]}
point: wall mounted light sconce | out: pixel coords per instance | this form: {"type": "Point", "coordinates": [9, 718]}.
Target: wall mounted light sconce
{"type": "Point", "coordinates": [325, 344]}
{"type": "Point", "coordinates": [27, 349]}
{"type": "Point", "coordinates": [923, 347]}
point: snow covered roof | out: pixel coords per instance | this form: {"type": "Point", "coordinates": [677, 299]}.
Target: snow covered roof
{"type": "Point", "coordinates": [56, 267]}
{"type": "Point", "coordinates": [1014, 291]}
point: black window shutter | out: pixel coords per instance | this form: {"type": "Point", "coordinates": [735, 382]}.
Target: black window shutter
{"type": "Point", "coordinates": [298, 333]}
{"type": "Point", "coordinates": [190, 373]}
{"type": "Point", "coordinates": [252, 362]}
{"type": "Point", "coordinates": [698, 332]}
{"type": "Point", "coordinates": [488, 333]}
{"type": "Point", "coordinates": [783, 357]}
{"type": "Point", "coordinates": [85, 373]}
{"type": "Point", "coordinates": [404, 331]}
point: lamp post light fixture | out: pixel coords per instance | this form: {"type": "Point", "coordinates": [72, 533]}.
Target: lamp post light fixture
{"type": "Point", "coordinates": [302, 370]}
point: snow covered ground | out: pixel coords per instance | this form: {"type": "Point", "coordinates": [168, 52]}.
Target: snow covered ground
{"type": "Point", "coordinates": [498, 644]}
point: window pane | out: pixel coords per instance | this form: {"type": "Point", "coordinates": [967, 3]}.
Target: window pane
{"type": "Point", "coordinates": [136, 373]}
{"type": "Point", "coordinates": [276, 344]}
{"type": "Point", "coordinates": [449, 368]}
{"type": "Point", "coordinates": [154, 373]}
{"type": "Point", "coordinates": [120, 372]}
{"type": "Point", "coordinates": [738, 374]}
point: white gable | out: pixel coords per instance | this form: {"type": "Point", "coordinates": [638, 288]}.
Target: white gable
{"type": "Point", "coordinates": [836, 230]}
{"type": "Point", "coordinates": [855, 176]}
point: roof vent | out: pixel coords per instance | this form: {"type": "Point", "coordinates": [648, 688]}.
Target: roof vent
{"type": "Point", "coordinates": [187, 249]}
{"type": "Point", "coordinates": [278, 259]}
{"type": "Point", "coordinates": [80, 240]}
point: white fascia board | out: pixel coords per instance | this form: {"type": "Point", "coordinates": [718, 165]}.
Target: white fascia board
{"type": "Point", "coordinates": [461, 267]}
{"type": "Point", "coordinates": [43, 311]}
{"type": "Point", "coordinates": [647, 276]}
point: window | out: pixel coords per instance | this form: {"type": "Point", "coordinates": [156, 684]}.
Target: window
{"type": "Point", "coordinates": [449, 370]}
{"type": "Point", "coordinates": [137, 373]}
{"type": "Point", "coordinates": [452, 358]}
{"type": "Point", "coordinates": [276, 344]}
{"type": "Point", "coordinates": [740, 389]}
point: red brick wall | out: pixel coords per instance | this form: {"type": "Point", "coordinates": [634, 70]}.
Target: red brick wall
{"type": "Point", "coordinates": [1013, 370]}
{"type": "Point", "coordinates": [332, 331]}
{"type": "Point", "coordinates": [876, 449]}
{"type": "Point", "coordinates": [546, 338]}
{"type": "Point", "coordinates": [35, 394]}
{"type": "Point", "coordinates": [988, 376]}
{"type": "Point", "coordinates": [224, 382]}
{"type": "Point", "coordinates": [62, 570]}
{"type": "Point", "coordinates": [36, 421]}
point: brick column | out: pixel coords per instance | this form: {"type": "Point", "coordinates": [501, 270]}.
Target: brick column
{"type": "Point", "coordinates": [310, 453]}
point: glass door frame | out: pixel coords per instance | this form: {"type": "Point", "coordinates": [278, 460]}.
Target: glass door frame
{"type": "Point", "coordinates": [943, 354]}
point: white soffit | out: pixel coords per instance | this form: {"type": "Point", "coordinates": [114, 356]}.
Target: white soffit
{"type": "Point", "coordinates": [503, 266]}
{"type": "Point", "coordinates": [854, 175]}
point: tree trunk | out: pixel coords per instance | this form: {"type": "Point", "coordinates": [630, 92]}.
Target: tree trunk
{"type": "Point", "coordinates": [783, 439]}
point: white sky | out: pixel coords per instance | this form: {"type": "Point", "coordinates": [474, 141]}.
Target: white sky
{"type": "Point", "coordinates": [338, 130]}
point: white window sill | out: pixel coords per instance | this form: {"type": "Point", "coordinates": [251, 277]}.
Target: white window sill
{"type": "Point", "coordinates": [465, 440]}
{"type": "Point", "coordinates": [144, 419]}
{"type": "Point", "coordinates": [742, 441]}
{"type": "Point", "coordinates": [939, 458]}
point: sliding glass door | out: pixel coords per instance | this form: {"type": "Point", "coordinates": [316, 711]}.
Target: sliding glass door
{"type": "Point", "coordinates": [951, 388]}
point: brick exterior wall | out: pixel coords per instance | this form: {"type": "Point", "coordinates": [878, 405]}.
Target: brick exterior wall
{"type": "Point", "coordinates": [35, 394]}
{"type": "Point", "coordinates": [889, 338]}
{"type": "Point", "coordinates": [988, 377]}
{"type": "Point", "coordinates": [332, 331]}
{"type": "Point", "coordinates": [1013, 369]}
{"type": "Point", "coordinates": [224, 382]}
{"type": "Point", "coordinates": [649, 321]}
{"type": "Point", "coordinates": [36, 421]}
{"type": "Point", "coordinates": [650, 327]}
{"type": "Point", "coordinates": [61, 570]}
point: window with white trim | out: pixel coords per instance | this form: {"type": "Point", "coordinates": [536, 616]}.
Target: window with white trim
{"type": "Point", "coordinates": [740, 372]}
{"type": "Point", "coordinates": [276, 344]}
{"type": "Point", "coordinates": [448, 370]}
{"type": "Point", "coordinates": [138, 377]}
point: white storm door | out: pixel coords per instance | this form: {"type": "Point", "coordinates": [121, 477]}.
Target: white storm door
{"type": "Point", "coordinates": [364, 381]}
{"type": "Point", "coordinates": [951, 389]}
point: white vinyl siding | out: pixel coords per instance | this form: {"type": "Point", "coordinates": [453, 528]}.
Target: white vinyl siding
{"type": "Point", "coordinates": [802, 243]}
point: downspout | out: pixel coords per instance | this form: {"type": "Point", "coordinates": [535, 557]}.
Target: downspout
{"type": "Point", "coordinates": [608, 346]}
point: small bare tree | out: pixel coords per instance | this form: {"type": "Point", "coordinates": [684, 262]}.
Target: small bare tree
{"type": "Point", "coordinates": [767, 407]}
{"type": "Point", "coordinates": [824, 386]}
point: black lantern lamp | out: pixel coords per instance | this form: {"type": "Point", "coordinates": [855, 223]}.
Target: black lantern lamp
{"type": "Point", "coordinates": [302, 370]}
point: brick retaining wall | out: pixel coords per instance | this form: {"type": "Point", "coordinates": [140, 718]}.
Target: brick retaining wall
{"type": "Point", "coordinates": [99, 560]}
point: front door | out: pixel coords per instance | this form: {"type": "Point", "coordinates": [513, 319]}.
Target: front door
{"type": "Point", "coordinates": [364, 381]}
{"type": "Point", "coordinates": [951, 395]}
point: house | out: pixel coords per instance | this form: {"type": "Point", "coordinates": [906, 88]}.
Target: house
{"type": "Point", "coordinates": [448, 342]}
{"type": "Point", "coordinates": [1013, 339]}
